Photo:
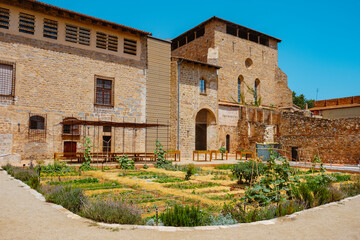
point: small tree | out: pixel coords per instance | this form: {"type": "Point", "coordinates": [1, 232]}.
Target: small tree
{"type": "Point", "coordinates": [222, 151]}
{"type": "Point", "coordinates": [160, 155]}
{"type": "Point", "coordinates": [85, 166]}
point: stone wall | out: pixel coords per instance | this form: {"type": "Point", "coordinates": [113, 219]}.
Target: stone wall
{"type": "Point", "coordinates": [335, 141]}
{"type": "Point", "coordinates": [233, 52]}
{"type": "Point", "coordinates": [191, 102]}
{"type": "Point", "coordinates": [58, 84]}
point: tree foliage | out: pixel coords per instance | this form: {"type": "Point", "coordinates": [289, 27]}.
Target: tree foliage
{"type": "Point", "coordinates": [301, 101]}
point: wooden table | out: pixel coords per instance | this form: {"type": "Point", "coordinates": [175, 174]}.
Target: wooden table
{"type": "Point", "coordinates": [241, 153]}
{"type": "Point", "coordinates": [198, 152]}
{"type": "Point", "coordinates": [175, 153]}
{"type": "Point", "coordinates": [216, 152]}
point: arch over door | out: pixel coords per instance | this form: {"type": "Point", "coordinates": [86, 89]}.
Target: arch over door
{"type": "Point", "coordinates": [203, 131]}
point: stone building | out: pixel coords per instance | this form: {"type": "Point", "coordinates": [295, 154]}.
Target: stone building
{"type": "Point", "coordinates": [245, 70]}
{"type": "Point", "coordinates": [57, 65]}
{"type": "Point", "coordinates": [65, 76]}
{"type": "Point", "coordinates": [337, 108]}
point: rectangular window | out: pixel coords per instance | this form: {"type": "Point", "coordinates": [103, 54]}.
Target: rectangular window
{"type": "Point", "coordinates": [231, 30]}
{"type": "Point", "coordinates": [202, 86]}
{"type": "Point", "coordinates": [4, 18]}
{"type": "Point", "coordinates": [77, 34]}
{"type": "Point", "coordinates": [27, 23]}
{"type": "Point", "coordinates": [7, 79]}
{"type": "Point", "coordinates": [71, 130]}
{"type": "Point", "coordinates": [106, 41]}
{"type": "Point", "coordinates": [104, 92]}
{"type": "Point", "coordinates": [50, 29]}
{"type": "Point", "coordinates": [130, 46]}
{"type": "Point", "coordinates": [106, 128]}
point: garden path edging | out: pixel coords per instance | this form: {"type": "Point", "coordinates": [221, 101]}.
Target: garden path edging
{"type": "Point", "coordinates": [74, 216]}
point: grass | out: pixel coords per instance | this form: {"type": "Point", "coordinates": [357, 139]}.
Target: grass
{"type": "Point", "coordinates": [193, 185]}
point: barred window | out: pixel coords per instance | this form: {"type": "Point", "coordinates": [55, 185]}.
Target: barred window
{"type": "Point", "coordinates": [104, 92]}
{"type": "Point", "coordinates": [106, 41]}
{"type": "Point", "coordinates": [37, 122]}
{"type": "Point", "coordinates": [50, 29]}
{"type": "Point", "coordinates": [77, 34]}
{"type": "Point", "coordinates": [4, 18]}
{"type": "Point", "coordinates": [70, 129]}
{"type": "Point", "coordinates": [27, 23]}
{"type": "Point", "coordinates": [130, 46]}
{"type": "Point", "coordinates": [7, 79]}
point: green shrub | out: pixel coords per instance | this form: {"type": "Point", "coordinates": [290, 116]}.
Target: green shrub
{"type": "Point", "coordinates": [224, 167]}
{"type": "Point", "coordinates": [246, 215]}
{"type": "Point", "coordinates": [76, 181]}
{"type": "Point", "coordinates": [145, 166]}
{"type": "Point", "coordinates": [351, 189]}
{"type": "Point", "coordinates": [112, 212]}
{"type": "Point", "coordinates": [339, 177]}
{"type": "Point", "coordinates": [66, 196]}
{"type": "Point", "coordinates": [57, 167]}
{"type": "Point", "coordinates": [159, 152]}
{"type": "Point", "coordinates": [248, 171]}
{"type": "Point", "coordinates": [26, 175]}
{"type": "Point", "coordinates": [190, 171]}
{"type": "Point", "coordinates": [192, 185]}
{"type": "Point", "coordinates": [125, 163]}
{"type": "Point", "coordinates": [183, 216]}
{"type": "Point", "coordinates": [221, 220]}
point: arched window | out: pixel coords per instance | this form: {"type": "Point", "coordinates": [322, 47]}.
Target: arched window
{"type": "Point", "coordinates": [37, 122]}
{"type": "Point", "coordinates": [202, 84]}
{"type": "Point", "coordinates": [70, 128]}
{"type": "Point", "coordinates": [256, 90]}
{"type": "Point", "coordinates": [240, 82]}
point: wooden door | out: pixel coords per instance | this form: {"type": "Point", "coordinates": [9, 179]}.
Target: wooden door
{"type": "Point", "coordinates": [69, 147]}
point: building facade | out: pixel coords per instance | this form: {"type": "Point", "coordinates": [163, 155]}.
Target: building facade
{"type": "Point", "coordinates": [57, 65]}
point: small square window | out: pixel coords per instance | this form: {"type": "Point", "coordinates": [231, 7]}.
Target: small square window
{"type": "Point", "coordinates": [107, 129]}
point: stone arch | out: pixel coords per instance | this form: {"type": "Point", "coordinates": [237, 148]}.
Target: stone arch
{"type": "Point", "coordinates": [205, 129]}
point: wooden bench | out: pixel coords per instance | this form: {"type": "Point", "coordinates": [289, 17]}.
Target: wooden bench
{"type": "Point", "coordinates": [241, 153]}
{"type": "Point", "coordinates": [216, 152]}
{"type": "Point", "coordinates": [198, 152]}
{"type": "Point", "coordinates": [176, 154]}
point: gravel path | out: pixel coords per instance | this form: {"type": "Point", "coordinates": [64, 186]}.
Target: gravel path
{"type": "Point", "coordinates": [24, 216]}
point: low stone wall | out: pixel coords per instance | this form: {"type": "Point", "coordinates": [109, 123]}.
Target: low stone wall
{"type": "Point", "coordinates": [335, 141]}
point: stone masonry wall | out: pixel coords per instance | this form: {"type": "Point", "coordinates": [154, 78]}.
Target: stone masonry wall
{"type": "Point", "coordinates": [191, 102]}
{"type": "Point", "coordinates": [60, 84]}
{"type": "Point", "coordinates": [335, 141]}
{"type": "Point", "coordinates": [233, 52]}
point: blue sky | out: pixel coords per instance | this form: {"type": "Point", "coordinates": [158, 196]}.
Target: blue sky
{"type": "Point", "coordinates": [321, 39]}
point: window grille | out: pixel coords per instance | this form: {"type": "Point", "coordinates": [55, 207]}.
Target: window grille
{"type": "Point", "coordinates": [77, 34]}
{"type": "Point", "coordinates": [4, 18]}
{"type": "Point", "coordinates": [50, 29]}
{"type": "Point", "coordinates": [27, 23]}
{"type": "Point", "coordinates": [129, 46]}
{"type": "Point", "coordinates": [106, 41]}
{"type": "Point", "coordinates": [7, 79]}
{"type": "Point", "coordinates": [37, 127]}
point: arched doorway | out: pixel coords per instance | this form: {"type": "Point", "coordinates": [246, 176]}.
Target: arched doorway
{"type": "Point", "coordinates": [204, 129]}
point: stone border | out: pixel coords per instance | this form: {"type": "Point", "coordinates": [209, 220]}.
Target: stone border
{"type": "Point", "coordinates": [72, 215]}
